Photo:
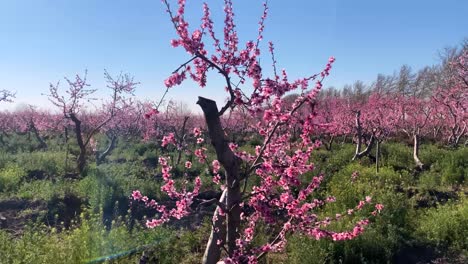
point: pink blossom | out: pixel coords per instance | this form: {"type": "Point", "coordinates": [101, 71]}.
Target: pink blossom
{"type": "Point", "coordinates": [217, 179]}
{"type": "Point", "coordinates": [169, 139]}
{"type": "Point", "coordinates": [216, 166]}
{"type": "Point", "coordinates": [197, 132]}
{"type": "Point", "coordinates": [152, 112]}
{"type": "Point", "coordinates": [379, 207]}
{"type": "Point", "coordinates": [136, 195]}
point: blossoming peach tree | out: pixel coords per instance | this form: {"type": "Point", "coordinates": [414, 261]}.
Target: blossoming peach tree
{"type": "Point", "coordinates": [278, 196]}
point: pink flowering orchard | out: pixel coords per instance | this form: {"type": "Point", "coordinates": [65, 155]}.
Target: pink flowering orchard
{"type": "Point", "coordinates": [452, 102]}
{"type": "Point", "coordinates": [72, 107]}
{"type": "Point", "coordinates": [282, 199]}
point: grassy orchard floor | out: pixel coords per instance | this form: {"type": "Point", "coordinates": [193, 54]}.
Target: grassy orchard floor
{"type": "Point", "coordinates": [53, 216]}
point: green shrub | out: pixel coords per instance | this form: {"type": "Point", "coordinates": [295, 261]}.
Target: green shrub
{"type": "Point", "coordinates": [454, 167]}
{"type": "Point", "coordinates": [430, 154]}
{"type": "Point", "coordinates": [382, 238]}
{"type": "Point", "coordinates": [330, 162]}
{"type": "Point", "coordinates": [429, 180]}
{"type": "Point", "coordinates": [45, 189]}
{"type": "Point", "coordinates": [87, 242]}
{"type": "Point", "coordinates": [5, 158]}
{"type": "Point", "coordinates": [446, 226]}
{"type": "Point", "coordinates": [303, 249]}
{"type": "Point", "coordinates": [10, 178]}
{"type": "Point", "coordinates": [52, 163]}
{"type": "Point", "coordinates": [397, 156]}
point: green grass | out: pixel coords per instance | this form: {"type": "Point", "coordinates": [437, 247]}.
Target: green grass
{"type": "Point", "coordinates": [105, 227]}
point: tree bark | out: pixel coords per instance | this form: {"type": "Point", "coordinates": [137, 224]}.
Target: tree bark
{"type": "Point", "coordinates": [42, 143]}
{"type": "Point", "coordinates": [358, 134]}
{"type": "Point", "coordinates": [81, 160]}
{"type": "Point", "coordinates": [213, 251]}
{"type": "Point", "coordinates": [231, 164]}
{"type": "Point", "coordinates": [377, 155]}
{"type": "Point", "coordinates": [102, 155]}
{"type": "Point", "coordinates": [358, 153]}
{"type": "Point", "coordinates": [416, 143]}
{"type": "Point", "coordinates": [328, 145]}
{"type": "Point", "coordinates": [344, 139]}
{"type": "Point", "coordinates": [458, 137]}
{"type": "Point", "coordinates": [365, 152]}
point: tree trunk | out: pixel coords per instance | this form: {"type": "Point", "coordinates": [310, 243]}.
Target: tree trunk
{"type": "Point", "coordinates": [458, 137]}
{"type": "Point", "coordinates": [358, 153]}
{"type": "Point", "coordinates": [81, 160]}
{"type": "Point", "coordinates": [416, 143]}
{"type": "Point", "coordinates": [344, 139]}
{"type": "Point", "coordinates": [101, 156]}
{"type": "Point", "coordinates": [330, 143]}
{"type": "Point", "coordinates": [231, 164]}
{"type": "Point", "coordinates": [67, 148]}
{"type": "Point", "coordinates": [377, 154]}
{"type": "Point", "coordinates": [42, 143]}
{"type": "Point", "coordinates": [365, 152]}
{"type": "Point", "coordinates": [358, 134]}
{"type": "Point", "coordinates": [212, 250]}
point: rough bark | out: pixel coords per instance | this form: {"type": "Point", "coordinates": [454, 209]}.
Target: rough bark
{"type": "Point", "coordinates": [81, 160]}
{"type": "Point", "coordinates": [42, 143]}
{"type": "Point", "coordinates": [458, 137]}
{"type": "Point", "coordinates": [328, 145]}
{"type": "Point", "coordinates": [359, 134]}
{"type": "Point", "coordinates": [102, 155]}
{"type": "Point", "coordinates": [377, 155]}
{"type": "Point", "coordinates": [344, 139]}
{"type": "Point", "coordinates": [366, 151]}
{"type": "Point", "coordinates": [358, 153]}
{"type": "Point", "coordinates": [213, 251]}
{"type": "Point", "coordinates": [419, 164]}
{"type": "Point", "coordinates": [231, 165]}
{"type": "Point", "coordinates": [65, 132]}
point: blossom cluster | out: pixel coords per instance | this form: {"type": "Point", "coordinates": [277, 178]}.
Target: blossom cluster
{"type": "Point", "coordinates": [281, 196]}
{"type": "Point", "coordinates": [184, 198]}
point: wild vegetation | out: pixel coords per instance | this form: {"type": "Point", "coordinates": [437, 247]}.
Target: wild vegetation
{"type": "Point", "coordinates": [284, 172]}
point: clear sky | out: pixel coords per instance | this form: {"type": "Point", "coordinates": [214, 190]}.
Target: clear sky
{"type": "Point", "coordinates": [41, 41]}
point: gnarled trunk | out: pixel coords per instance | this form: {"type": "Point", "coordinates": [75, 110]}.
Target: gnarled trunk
{"type": "Point", "coordinates": [231, 164]}
{"type": "Point", "coordinates": [344, 139]}
{"type": "Point", "coordinates": [81, 160]}
{"type": "Point", "coordinates": [212, 250]}
{"type": "Point", "coordinates": [328, 145]}
{"type": "Point", "coordinates": [459, 136]}
{"type": "Point", "coordinates": [42, 143]}
{"type": "Point", "coordinates": [366, 151]}
{"type": "Point", "coordinates": [358, 134]}
{"type": "Point", "coordinates": [100, 156]}
{"type": "Point", "coordinates": [358, 153]}
{"type": "Point", "coordinates": [416, 143]}
{"type": "Point", "coordinates": [377, 155]}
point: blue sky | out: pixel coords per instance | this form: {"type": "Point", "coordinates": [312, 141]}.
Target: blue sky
{"type": "Point", "coordinates": [42, 41]}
